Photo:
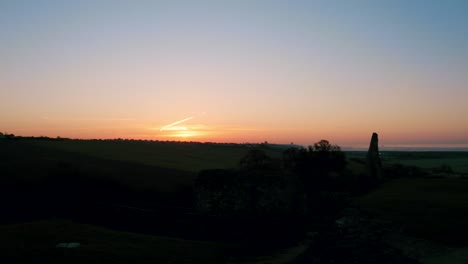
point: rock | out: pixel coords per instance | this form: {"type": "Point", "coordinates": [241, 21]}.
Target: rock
{"type": "Point", "coordinates": [373, 159]}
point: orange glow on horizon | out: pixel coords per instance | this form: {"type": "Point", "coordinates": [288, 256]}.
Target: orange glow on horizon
{"type": "Point", "coordinates": [205, 128]}
{"type": "Point", "coordinates": [226, 134]}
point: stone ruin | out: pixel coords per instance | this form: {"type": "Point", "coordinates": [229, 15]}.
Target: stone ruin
{"type": "Point", "coordinates": [374, 163]}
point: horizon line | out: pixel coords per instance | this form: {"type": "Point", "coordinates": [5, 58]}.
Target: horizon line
{"type": "Point", "coordinates": [387, 147]}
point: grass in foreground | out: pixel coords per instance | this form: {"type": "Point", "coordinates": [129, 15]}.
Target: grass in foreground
{"type": "Point", "coordinates": [191, 157]}
{"type": "Point", "coordinates": [26, 162]}
{"type": "Point", "coordinates": [433, 209]}
{"type": "Point", "coordinates": [36, 243]}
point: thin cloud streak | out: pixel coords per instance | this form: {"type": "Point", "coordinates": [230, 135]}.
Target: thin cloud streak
{"type": "Point", "coordinates": [175, 123]}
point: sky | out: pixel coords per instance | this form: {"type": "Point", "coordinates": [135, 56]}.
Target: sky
{"type": "Point", "coordinates": [237, 71]}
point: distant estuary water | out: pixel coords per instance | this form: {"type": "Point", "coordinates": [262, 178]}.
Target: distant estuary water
{"type": "Point", "coordinates": [413, 147]}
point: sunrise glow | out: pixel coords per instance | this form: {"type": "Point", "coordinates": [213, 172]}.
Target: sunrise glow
{"type": "Point", "coordinates": [248, 71]}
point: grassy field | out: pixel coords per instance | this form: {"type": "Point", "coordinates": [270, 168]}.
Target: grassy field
{"type": "Point", "coordinates": [191, 157]}
{"type": "Point", "coordinates": [36, 243]}
{"type": "Point", "coordinates": [418, 205]}
{"type": "Point", "coordinates": [135, 173]}
{"type": "Point", "coordinates": [434, 209]}
{"type": "Point", "coordinates": [140, 165]}
{"type": "Point", "coordinates": [31, 161]}
{"type": "Point", "coordinates": [458, 161]}
{"type": "Point", "coordinates": [40, 179]}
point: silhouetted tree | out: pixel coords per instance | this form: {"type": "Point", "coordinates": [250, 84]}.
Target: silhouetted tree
{"type": "Point", "coordinates": [317, 166]}
{"type": "Point", "coordinates": [290, 157]}
{"type": "Point", "coordinates": [9, 136]}
{"type": "Point", "coordinates": [321, 170]}
{"type": "Point", "coordinates": [322, 145]}
{"type": "Point", "coordinates": [255, 159]}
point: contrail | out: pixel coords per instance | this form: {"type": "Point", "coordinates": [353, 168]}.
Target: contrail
{"type": "Point", "coordinates": [175, 123]}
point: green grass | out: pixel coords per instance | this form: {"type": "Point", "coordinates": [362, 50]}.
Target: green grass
{"type": "Point", "coordinates": [458, 161]}
{"type": "Point", "coordinates": [459, 165]}
{"type": "Point", "coordinates": [28, 162]}
{"type": "Point", "coordinates": [142, 170]}
{"type": "Point", "coordinates": [35, 243]}
{"type": "Point", "coordinates": [191, 157]}
{"type": "Point", "coordinates": [434, 209]}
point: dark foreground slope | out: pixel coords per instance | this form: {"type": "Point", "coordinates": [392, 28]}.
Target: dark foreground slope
{"type": "Point", "coordinates": [186, 156]}
{"type": "Point", "coordinates": [39, 185]}
{"type": "Point", "coordinates": [36, 243]}
{"type": "Point", "coordinates": [433, 209]}
{"type": "Point", "coordinates": [37, 180]}
{"type": "Point", "coordinates": [104, 183]}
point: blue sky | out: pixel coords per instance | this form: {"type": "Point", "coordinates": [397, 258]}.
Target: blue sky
{"type": "Point", "coordinates": [287, 70]}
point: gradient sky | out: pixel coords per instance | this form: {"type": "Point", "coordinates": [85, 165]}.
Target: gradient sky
{"type": "Point", "coordinates": [237, 71]}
